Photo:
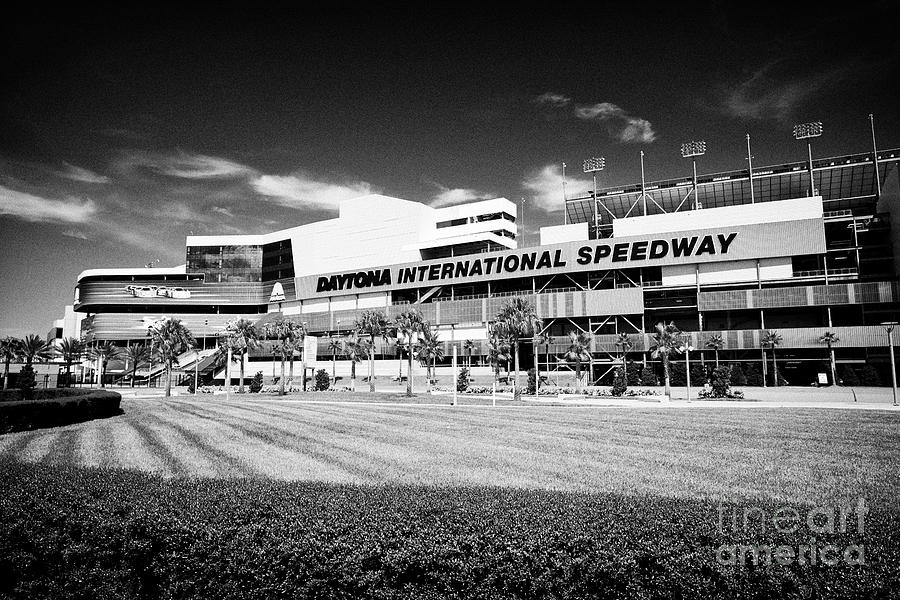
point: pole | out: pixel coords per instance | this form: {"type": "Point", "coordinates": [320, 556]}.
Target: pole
{"type": "Point", "coordinates": [875, 155]}
{"type": "Point", "coordinates": [565, 199]}
{"type": "Point", "coordinates": [228, 375]}
{"type": "Point", "coordinates": [494, 394]}
{"type": "Point", "coordinates": [196, 372]}
{"type": "Point", "coordinates": [687, 370]}
{"type": "Point", "coordinates": [812, 184]}
{"type": "Point", "coordinates": [750, 163]}
{"type": "Point", "coordinates": [643, 184]}
{"type": "Point", "coordinates": [455, 375]}
{"type": "Point", "coordinates": [150, 367]}
{"type": "Point", "coordinates": [596, 209]}
{"type": "Point", "coordinates": [696, 196]}
{"type": "Point", "coordinates": [893, 365]}
{"type": "Point", "coordinates": [524, 230]}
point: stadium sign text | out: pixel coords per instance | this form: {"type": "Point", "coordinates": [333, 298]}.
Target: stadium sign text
{"type": "Point", "coordinates": [536, 260]}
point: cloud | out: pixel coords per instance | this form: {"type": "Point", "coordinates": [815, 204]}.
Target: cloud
{"type": "Point", "coordinates": [223, 211]}
{"type": "Point", "coordinates": [762, 96]}
{"type": "Point", "coordinates": [621, 125]}
{"type": "Point", "coordinates": [553, 99]}
{"type": "Point", "coordinates": [42, 210]}
{"type": "Point", "coordinates": [450, 196]}
{"type": "Point", "coordinates": [546, 187]}
{"type": "Point", "coordinates": [73, 233]}
{"type": "Point", "coordinates": [300, 189]}
{"type": "Point", "coordinates": [184, 165]}
{"type": "Point", "coordinates": [83, 175]}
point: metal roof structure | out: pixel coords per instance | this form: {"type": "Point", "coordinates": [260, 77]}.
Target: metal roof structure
{"type": "Point", "coordinates": [845, 183]}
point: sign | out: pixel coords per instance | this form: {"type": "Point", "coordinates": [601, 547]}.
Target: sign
{"type": "Point", "coordinates": [740, 242]}
{"type": "Point", "coordinates": [277, 293]}
{"type": "Point", "coordinates": [823, 379]}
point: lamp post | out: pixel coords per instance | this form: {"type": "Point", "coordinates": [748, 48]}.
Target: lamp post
{"type": "Point", "coordinates": [889, 328]}
{"type": "Point", "coordinates": [687, 368]}
{"type": "Point", "coordinates": [593, 166]}
{"type": "Point", "coordinates": [807, 131]}
{"type": "Point", "coordinates": [692, 150]}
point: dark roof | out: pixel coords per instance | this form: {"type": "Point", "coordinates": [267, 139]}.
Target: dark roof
{"type": "Point", "coordinates": [845, 183]}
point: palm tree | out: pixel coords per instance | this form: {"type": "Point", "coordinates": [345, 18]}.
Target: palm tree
{"type": "Point", "coordinates": [136, 354]}
{"type": "Point", "coordinates": [624, 342]}
{"type": "Point", "coordinates": [355, 348]}
{"type": "Point", "coordinates": [498, 351]}
{"type": "Point", "coordinates": [716, 343]}
{"type": "Point", "coordinates": [772, 339]}
{"type": "Point", "coordinates": [286, 333]}
{"type": "Point", "coordinates": [373, 324]}
{"type": "Point", "coordinates": [10, 350]}
{"type": "Point", "coordinates": [430, 350]}
{"type": "Point", "coordinates": [170, 338]}
{"type": "Point", "coordinates": [244, 337]}
{"type": "Point", "coordinates": [830, 338]}
{"type": "Point", "coordinates": [105, 353]}
{"type": "Point", "coordinates": [407, 325]}
{"type": "Point", "coordinates": [668, 340]}
{"type": "Point", "coordinates": [335, 346]}
{"type": "Point", "coordinates": [70, 349]}
{"type": "Point", "coordinates": [468, 346]}
{"type": "Point", "coordinates": [539, 339]}
{"type": "Point", "coordinates": [517, 319]}
{"type": "Point", "coordinates": [579, 351]}
{"type": "Point", "coordinates": [34, 347]}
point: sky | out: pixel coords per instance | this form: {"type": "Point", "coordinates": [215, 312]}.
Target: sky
{"type": "Point", "coordinates": [123, 130]}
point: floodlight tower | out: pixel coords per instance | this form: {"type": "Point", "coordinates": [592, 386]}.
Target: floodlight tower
{"type": "Point", "coordinates": [593, 166]}
{"type": "Point", "coordinates": [807, 131]}
{"type": "Point", "coordinates": [692, 150]}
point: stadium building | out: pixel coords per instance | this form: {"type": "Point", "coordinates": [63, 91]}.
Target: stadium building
{"type": "Point", "coordinates": [798, 248]}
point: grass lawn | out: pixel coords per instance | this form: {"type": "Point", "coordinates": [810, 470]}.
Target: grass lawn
{"type": "Point", "coordinates": [272, 498]}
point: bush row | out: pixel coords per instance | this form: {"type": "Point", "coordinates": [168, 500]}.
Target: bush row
{"type": "Point", "coordinates": [63, 410]}
{"type": "Point", "coordinates": [13, 395]}
{"type": "Point", "coordinates": [87, 533]}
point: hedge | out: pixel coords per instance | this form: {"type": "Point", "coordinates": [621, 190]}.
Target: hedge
{"type": "Point", "coordinates": [68, 532]}
{"type": "Point", "coordinates": [65, 409]}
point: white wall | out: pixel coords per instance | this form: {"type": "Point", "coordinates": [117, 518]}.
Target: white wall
{"type": "Point", "coordinates": [728, 272]}
{"type": "Point", "coordinates": [709, 218]}
{"type": "Point", "coordinates": [560, 234]}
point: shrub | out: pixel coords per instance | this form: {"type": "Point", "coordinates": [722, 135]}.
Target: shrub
{"type": "Point", "coordinates": [256, 383]}
{"type": "Point", "coordinates": [648, 376]}
{"type": "Point", "coordinates": [63, 410]}
{"type": "Point", "coordinates": [720, 382]}
{"type": "Point", "coordinates": [531, 385]}
{"type": "Point", "coordinates": [462, 379]}
{"type": "Point", "coordinates": [699, 375]}
{"type": "Point", "coordinates": [737, 375]}
{"type": "Point", "coordinates": [322, 381]}
{"type": "Point", "coordinates": [25, 381]}
{"type": "Point", "coordinates": [847, 376]}
{"type": "Point", "coordinates": [677, 373]}
{"type": "Point", "coordinates": [619, 385]}
{"type": "Point", "coordinates": [634, 373]}
{"type": "Point", "coordinates": [754, 374]}
{"type": "Point", "coordinates": [869, 376]}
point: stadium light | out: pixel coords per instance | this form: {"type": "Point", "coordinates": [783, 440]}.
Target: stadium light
{"type": "Point", "coordinates": [593, 166]}
{"type": "Point", "coordinates": [692, 150]}
{"type": "Point", "coordinates": [807, 131]}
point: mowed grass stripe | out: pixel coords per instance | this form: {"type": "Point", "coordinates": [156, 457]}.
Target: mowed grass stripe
{"type": "Point", "coordinates": [278, 448]}
{"type": "Point", "coordinates": [209, 440]}
{"type": "Point", "coordinates": [432, 452]}
{"type": "Point", "coordinates": [63, 448]}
